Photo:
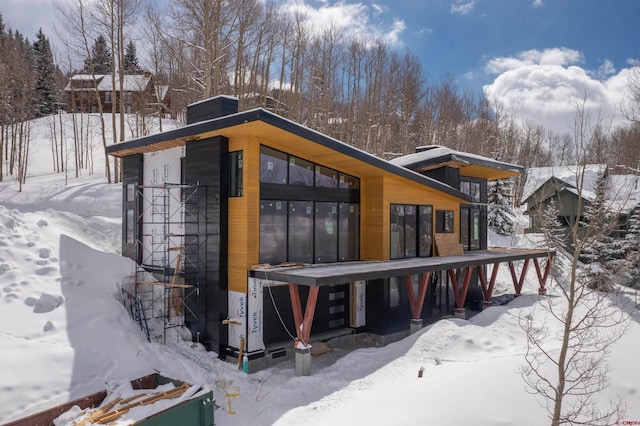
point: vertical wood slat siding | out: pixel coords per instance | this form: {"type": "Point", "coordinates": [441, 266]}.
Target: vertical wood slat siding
{"type": "Point", "coordinates": [206, 165]}
{"type": "Point", "coordinates": [131, 174]}
{"type": "Point", "coordinates": [244, 216]}
{"type": "Point", "coordinates": [377, 196]}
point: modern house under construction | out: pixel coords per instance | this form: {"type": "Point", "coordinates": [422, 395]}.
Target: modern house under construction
{"type": "Point", "coordinates": [268, 233]}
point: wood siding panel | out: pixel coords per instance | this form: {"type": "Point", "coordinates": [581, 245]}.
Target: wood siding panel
{"type": "Point", "coordinates": [373, 226]}
{"type": "Point", "coordinates": [244, 227]}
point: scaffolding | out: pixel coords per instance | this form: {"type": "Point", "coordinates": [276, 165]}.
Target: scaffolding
{"type": "Point", "coordinates": [166, 283]}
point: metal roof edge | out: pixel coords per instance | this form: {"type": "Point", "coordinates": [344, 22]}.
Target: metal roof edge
{"type": "Point", "coordinates": [260, 114]}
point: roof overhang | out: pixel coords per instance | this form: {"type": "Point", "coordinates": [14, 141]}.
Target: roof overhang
{"type": "Point", "coordinates": [269, 126]}
{"type": "Point", "coordinates": [470, 165]}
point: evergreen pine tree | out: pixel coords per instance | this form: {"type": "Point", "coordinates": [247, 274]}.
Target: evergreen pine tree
{"type": "Point", "coordinates": [131, 65]}
{"type": "Point", "coordinates": [632, 249]}
{"type": "Point", "coordinates": [602, 250]}
{"type": "Point", "coordinates": [551, 226]}
{"type": "Point", "coordinates": [45, 71]}
{"type": "Point", "coordinates": [498, 215]}
{"type": "Point", "coordinates": [99, 62]}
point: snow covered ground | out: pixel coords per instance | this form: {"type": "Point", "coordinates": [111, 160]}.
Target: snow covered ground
{"type": "Point", "coordinates": [64, 333]}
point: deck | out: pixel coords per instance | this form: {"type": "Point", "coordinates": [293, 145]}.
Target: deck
{"type": "Point", "coordinates": [339, 273]}
{"type": "Point", "coordinates": [318, 275]}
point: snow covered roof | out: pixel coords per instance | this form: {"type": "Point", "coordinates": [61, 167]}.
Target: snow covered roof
{"type": "Point", "coordinates": [433, 156]}
{"type": "Point", "coordinates": [79, 77]}
{"type": "Point", "coordinates": [538, 176]}
{"type": "Point", "coordinates": [132, 82]}
{"type": "Point", "coordinates": [623, 191]}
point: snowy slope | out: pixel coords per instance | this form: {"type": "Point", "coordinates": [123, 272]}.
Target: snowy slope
{"type": "Point", "coordinates": [64, 333]}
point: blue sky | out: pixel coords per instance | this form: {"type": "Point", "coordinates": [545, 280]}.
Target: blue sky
{"type": "Point", "coordinates": [535, 56]}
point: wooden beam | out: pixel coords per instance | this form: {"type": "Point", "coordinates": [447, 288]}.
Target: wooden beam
{"type": "Point", "coordinates": [417, 302]}
{"type": "Point", "coordinates": [487, 290]}
{"type": "Point", "coordinates": [303, 324]}
{"type": "Point", "coordinates": [518, 282]}
{"type": "Point", "coordinates": [460, 293]}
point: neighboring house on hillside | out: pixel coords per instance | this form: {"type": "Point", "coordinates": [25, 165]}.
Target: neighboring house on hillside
{"type": "Point", "coordinates": [246, 218]}
{"type": "Point", "coordinates": [560, 184]}
{"type": "Point", "coordinates": [140, 94]}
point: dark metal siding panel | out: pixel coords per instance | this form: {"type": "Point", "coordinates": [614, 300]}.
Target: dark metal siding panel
{"type": "Point", "coordinates": [375, 301]}
{"type": "Point", "coordinates": [132, 169]}
{"type": "Point", "coordinates": [447, 175]}
{"type": "Point", "coordinates": [212, 108]}
{"type": "Point", "coordinates": [206, 166]}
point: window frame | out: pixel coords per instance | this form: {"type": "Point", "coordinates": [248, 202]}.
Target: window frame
{"type": "Point", "coordinates": [414, 247]}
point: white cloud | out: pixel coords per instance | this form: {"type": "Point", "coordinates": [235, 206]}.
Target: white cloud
{"type": "Point", "coordinates": [537, 3]}
{"type": "Point", "coordinates": [423, 32]}
{"type": "Point", "coordinates": [606, 69]}
{"type": "Point", "coordinates": [545, 87]}
{"type": "Point", "coordinates": [356, 19]}
{"type": "Point", "coordinates": [461, 7]}
{"type": "Point", "coordinates": [378, 8]}
{"type": "Point", "coordinates": [554, 56]}
{"type": "Point", "coordinates": [393, 36]}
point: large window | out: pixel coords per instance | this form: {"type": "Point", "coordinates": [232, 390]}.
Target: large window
{"type": "Point", "coordinates": [326, 233]}
{"type": "Point", "coordinates": [273, 231]}
{"type": "Point", "coordinates": [273, 166]}
{"type": "Point", "coordinates": [473, 217]}
{"type": "Point", "coordinates": [444, 221]}
{"type": "Point", "coordinates": [470, 227]}
{"type": "Point", "coordinates": [425, 231]}
{"type": "Point", "coordinates": [283, 169]}
{"type": "Point", "coordinates": [300, 171]}
{"type": "Point", "coordinates": [235, 174]}
{"type": "Point", "coordinates": [309, 213]}
{"type": "Point", "coordinates": [309, 232]}
{"type": "Point", "coordinates": [348, 231]}
{"type": "Point", "coordinates": [472, 189]}
{"type": "Point", "coordinates": [300, 229]}
{"type": "Point", "coordinates": [411, 231]}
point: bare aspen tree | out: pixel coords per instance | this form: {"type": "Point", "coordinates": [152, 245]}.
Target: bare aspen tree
{"type": "Point", "coordinates": [631, 108]}
{"type": "Point", "coordinates": [566, 376]}
{"type": "Point", "coordinates": [75, 17]}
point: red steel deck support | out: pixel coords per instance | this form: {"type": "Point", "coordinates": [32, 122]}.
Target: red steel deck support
{"type": "Point", "coordinates": [303, 325]}
{"type": "Point", "coordinates": [487, 290]}
{"type": "Point", "coordinates": [416, 302]}
{"type": "Point", "coordinates": [542, 279]}
{"type": "Point", "coordinates": [517, 282]}
{"type": "Point", "coordinates": [460, 293]}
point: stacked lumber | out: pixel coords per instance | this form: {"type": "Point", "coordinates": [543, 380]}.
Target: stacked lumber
{"type": "Point", "coordinates": [113, 410]}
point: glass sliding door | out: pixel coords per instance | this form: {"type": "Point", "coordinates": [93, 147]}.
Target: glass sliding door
{"type": "Point", "coordinates": [273, 231]}
{"type": "Point", "coordinates": [397, 231]}
{"type": "Point", "coordinates": [425, 231]}
{"type": "Point", "coordinates": [326, 232]}
{"type": "Point", "coordinates": [410, 231]}
{"type": "Point", "coordinates": [349, 231]}
{"type": "Point", "coordinates": [300, 230]}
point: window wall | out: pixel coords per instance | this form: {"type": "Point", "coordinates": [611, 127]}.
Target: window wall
{"type": "Point", "coordinates": [411, 230]}
{"type": "Point", "coordinates": [473, 227]}
{"type": "Point", "coordinates": [308, 212]}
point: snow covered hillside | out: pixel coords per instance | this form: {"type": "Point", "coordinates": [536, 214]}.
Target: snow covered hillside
{"type": "Point", "coordinates": [64, 333]}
